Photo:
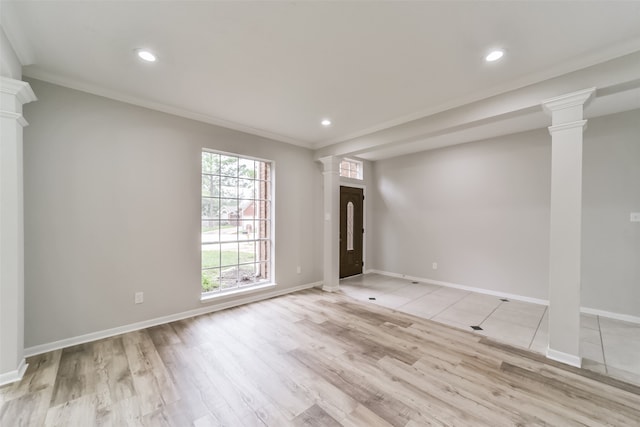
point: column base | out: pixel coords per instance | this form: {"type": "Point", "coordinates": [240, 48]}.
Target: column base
{"type": "Point", "coordinates": [566, 358]}
{"type": "Point", "coordinates": [330, 288]}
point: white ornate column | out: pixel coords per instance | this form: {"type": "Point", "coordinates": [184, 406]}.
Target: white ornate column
{"type": "Point", "coordinates": [331, 209]}
{"type": "Point", "coordinates": [13, 94]}
{"type": "Point", "coordinates": [567, 126]}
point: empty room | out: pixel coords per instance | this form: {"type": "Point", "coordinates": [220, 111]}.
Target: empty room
{"type": "Point", "coordinates": [310, 213]}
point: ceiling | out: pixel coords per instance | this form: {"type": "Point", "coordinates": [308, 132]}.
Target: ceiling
{"type": "Point", "coordinates": [276, 69]}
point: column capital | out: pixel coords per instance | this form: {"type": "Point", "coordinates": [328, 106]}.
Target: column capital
{"type": "Point", "coordinates": [574, 99]}
{"type": "Point", "coordinates": [20, 90]}
{"type": "Point", "coordinates": [568, 100]}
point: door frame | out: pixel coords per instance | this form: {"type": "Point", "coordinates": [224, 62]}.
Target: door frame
{"type": "Point", "coordinates": [345, 183]}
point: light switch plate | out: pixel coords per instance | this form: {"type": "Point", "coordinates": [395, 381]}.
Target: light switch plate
{"type": "Point", "coordinates": [635, 217]}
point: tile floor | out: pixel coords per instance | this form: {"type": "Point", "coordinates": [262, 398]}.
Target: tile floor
{"type": "Point", "coordinates": [608, 346]}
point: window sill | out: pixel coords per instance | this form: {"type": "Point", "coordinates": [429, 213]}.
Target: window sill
{"type": "Point", "coordinates": [234, 292]}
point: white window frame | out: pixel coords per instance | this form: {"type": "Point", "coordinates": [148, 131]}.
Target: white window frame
{"type": "Point", "coordinates": [270, 280]}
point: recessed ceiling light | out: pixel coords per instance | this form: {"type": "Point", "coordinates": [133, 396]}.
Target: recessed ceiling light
{"type": "Point", "coordinates": [146, 55]}
{"type": "Point", "coordinates": [325, 122]}
{"type": "Point", "coordinates": [494, 55]}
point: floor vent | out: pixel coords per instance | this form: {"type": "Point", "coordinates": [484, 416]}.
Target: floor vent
{"type": "Point", "coordinates": [372, 298]}
{"type": "Point", "coordinates": [504, 300]}
{"type": "Point", "coordinates": [476, 328]}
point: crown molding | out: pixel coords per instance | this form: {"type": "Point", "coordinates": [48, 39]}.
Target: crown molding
{"type": "Point", "coordinates": [39, 74]}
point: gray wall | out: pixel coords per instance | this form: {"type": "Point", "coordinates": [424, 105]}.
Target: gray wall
{"type": "Point", "coordinates": [611, 191]}
{"type": "Point", "coordinates": [112, 206]}
{"type": "Point", "coordinates": [481, 211]}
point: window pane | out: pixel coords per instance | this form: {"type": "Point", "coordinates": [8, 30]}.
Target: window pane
{"type": "Point", "coordinates": [246, 168]}
{"type": "Point", "coordinates": [228, 254]}
{"type": "Point", "coordinates": [247, 229]}
{"type": "Point", "coordinates": [210, 163]}
{"type": "Point", "coordinates": [210, 231]}
{"type": "Point", "coordinates": [211, 280]}
{"type": "Point", "coordinates": [246, 209]}
{"type": "Point", "coordinates": [246, 188]}
{"type": "Point", "coordinates": [210, 256]}
{"type": "Point", "coordinates": [210, 208]}
{"type": "Point", "coordinates": [247, 275]}
{"type": "Point", "coordinates": [228, 187]}
{"type": "Point", "coordinates": [210, 185]}
{"type": "Point", "coordinates": [229, 277]}
{"type": "Point", "coordinates": [228, 213]}
{"type": "Point", "coordinates": [228, 165]}
{"type": "Point", "coordinates": [247, 252]}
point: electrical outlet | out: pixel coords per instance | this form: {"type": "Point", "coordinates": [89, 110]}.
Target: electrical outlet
{"type": "Point", "coordinates": [434, 265]}
{"type": "Point", "coordinates": [139, 298]}
{"type": "Point", "coordinates": [299, 270]}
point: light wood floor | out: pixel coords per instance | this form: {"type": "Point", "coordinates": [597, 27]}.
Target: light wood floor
{"type": "Point", "coordinates": [313, 359]}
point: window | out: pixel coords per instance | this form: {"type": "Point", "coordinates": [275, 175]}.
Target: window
{"type": "Point", "coordinates": [236, 222]}
{"type": "Point", "coordinates": [351, 168]}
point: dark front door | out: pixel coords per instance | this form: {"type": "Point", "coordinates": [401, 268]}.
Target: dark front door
{"type": "Point", "coordinates": [351, 201]}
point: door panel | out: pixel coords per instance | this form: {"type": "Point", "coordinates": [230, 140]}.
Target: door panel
{"type": "Point", "coordinates": [351, 210]}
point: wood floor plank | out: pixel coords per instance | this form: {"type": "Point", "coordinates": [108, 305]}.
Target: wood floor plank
{"type": "Point", "coordinates": [76, 412]}
{"type": "Point", "coordinates": [362, 416]}
{"type": "Point", "coordinates": [152, 382]}
{"type": "Point", "coordinates": [27, 410]}
{"type": "Point", "coordinates": [427, 404]}
{"type": "Point", "coordinates": [76, 375]}
{"type": "Point", "coordinates": [299, 380]}
{"type": "Point", "coordinates": [382, 404]}
{"type": "Point", "coordinates": [309, 359]}
{"type": "Point", "coordinates": [315, 416]}
{"type": "Point", "coordinates": [114, 378]}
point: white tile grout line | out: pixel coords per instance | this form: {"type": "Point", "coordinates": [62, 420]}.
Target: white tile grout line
{"type": "Point", "coordinates": [538, 328]}
{"type": "Point", "coordinates": [604, 359]}
{"type": "Point", "coordinates": [449, 306]}
{"type": "Point", "coordinates": [438, 287]}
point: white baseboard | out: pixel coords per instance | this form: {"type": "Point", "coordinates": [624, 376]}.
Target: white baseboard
{"type": "Point", "coordinates": [15, 375]}
{"type": "Point", "coordinates": [465, 288]}
{"type": "Point", "coordinates": [568, 359]}
{"type": "Point", "coordinates": [93, 336]}
{"type": "Point", "coordinates": [611, 315]}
